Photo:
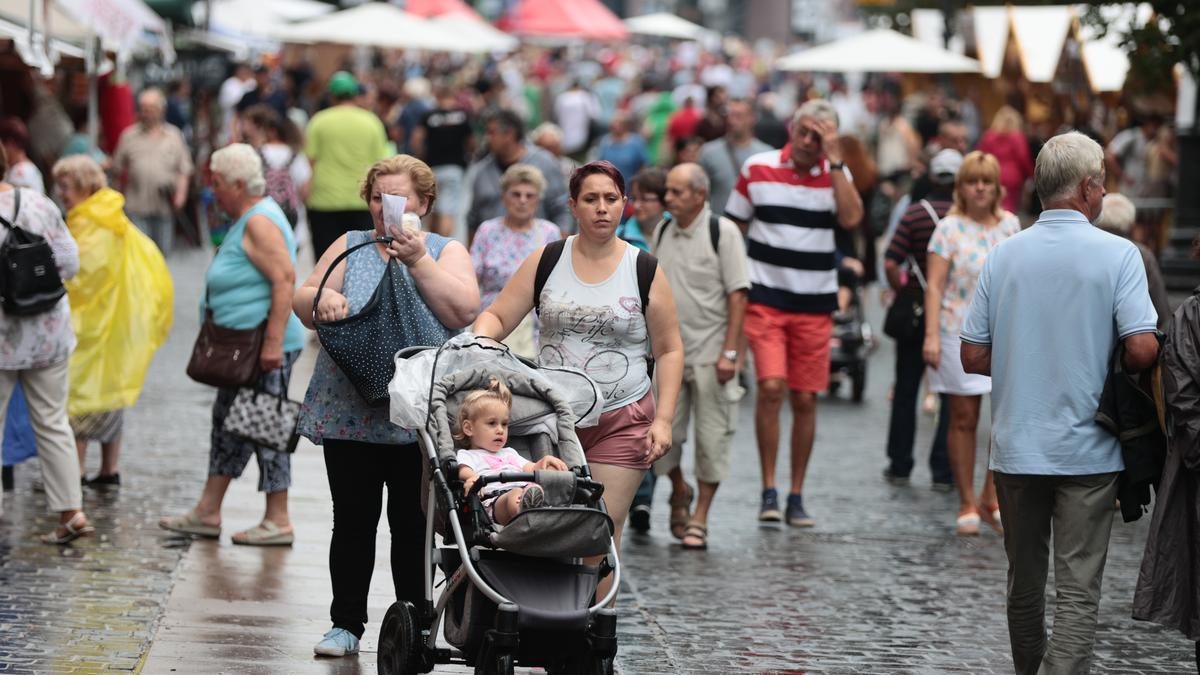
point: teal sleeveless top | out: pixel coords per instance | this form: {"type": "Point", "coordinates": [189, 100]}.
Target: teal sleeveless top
{"type": "Point", "coordinates": [238, 294]}
{"type": "Point", "coordinates": [332, 406]}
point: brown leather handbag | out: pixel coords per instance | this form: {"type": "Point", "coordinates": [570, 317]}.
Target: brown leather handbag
{"type": "Point", "coordinates": [224, 357]}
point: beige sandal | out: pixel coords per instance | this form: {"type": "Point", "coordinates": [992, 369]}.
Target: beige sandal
{"type": "Point", "coordinates": [681, 510]}
{"type": "Point", "coordinates": [189, 523]}
{"type": "Point", "coordinates": [69, 531]}
{"type": "Point", "coordinates": [265, 533]}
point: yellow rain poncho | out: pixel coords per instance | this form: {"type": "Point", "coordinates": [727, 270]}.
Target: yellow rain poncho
{"type": "Point", "coordinates": [122, 305]}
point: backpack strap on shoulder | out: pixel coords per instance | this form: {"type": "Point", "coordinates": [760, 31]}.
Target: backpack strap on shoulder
{"type": "Point", "coordinates": [714, 232]}
{"type": "Point", "coordinates": [16, 210]}
{"type": "Point", "coordinates": [647, 265]}
{"type": "Point", "coordinates": [546, 264]}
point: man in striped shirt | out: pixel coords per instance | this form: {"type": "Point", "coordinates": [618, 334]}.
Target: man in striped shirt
{"type": "Point", "coordinates": [791, 201]}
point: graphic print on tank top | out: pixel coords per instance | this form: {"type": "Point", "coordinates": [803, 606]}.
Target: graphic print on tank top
{"type": "Point", "coordinates": [595, 339]}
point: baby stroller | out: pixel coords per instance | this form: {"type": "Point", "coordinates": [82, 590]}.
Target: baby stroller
{"type": "Point", "coordinates": [849, 347]}
{"type": "Point", "coordinates": [517, 594]}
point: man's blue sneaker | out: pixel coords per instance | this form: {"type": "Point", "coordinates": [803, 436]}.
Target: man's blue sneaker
{"type": "Point", "coordinates": [770, 513]}
{"type": "Point", "coordinates": [796, 515]}
{"type": "Point", "coordinates": [337, 642]}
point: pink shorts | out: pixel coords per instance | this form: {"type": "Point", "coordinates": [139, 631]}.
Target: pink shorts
{"type": "Point", "coordinates": [620, 436]}
{"type": "Point", "coordinates": [792, 346]}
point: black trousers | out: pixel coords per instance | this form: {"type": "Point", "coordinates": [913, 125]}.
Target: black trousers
{"type": "Point", "coordinates": [902, 429]}
{"type": "Point", "coordinates": [357, 474]}
{"type": "Point", "coordinates": [327, 226]}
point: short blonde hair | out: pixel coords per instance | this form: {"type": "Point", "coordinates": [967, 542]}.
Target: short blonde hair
{"type": "Point", "coordinates": [240, 163]}
{"type": "Point", "coordinates": [81, 172]}
{"type": "Point", "coordinates": [526, 174]}
{"type": "Point", "coordinates": [977, 165]}
{"type": "Point", "coordinates": [1006, 120]}
{"type": "Point", "coordinates": [424, 183]}
{"type": "Point", "coordinates": [496, 392]}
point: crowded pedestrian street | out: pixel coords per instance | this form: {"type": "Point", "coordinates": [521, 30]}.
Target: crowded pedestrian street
{"type": "Point", "coordinates": [880, 585]}
{"type": "Point", "coordinates": [581, 337]}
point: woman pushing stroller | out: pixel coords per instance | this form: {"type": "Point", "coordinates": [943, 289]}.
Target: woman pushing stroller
{"type": "Point", "coordinates": [483, 429]}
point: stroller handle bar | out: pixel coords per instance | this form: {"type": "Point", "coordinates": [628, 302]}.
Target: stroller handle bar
{"type": "Point", "coordinates": [594, 487]}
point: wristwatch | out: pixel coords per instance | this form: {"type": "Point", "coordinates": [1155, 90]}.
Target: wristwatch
{"type": "Point", "coordinates": [730, 354]}
{"type": "Point", "coordinates": [837, 166]}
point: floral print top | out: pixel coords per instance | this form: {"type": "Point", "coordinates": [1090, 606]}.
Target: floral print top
{"type": "Point", "coordinates": [47, 338]}
{"type": "Point", "coordinates": [498, 250]}
{"type": "Point", "coordinates": [965, 244]}
{"type": "Point", "coordinates": [332, 407]}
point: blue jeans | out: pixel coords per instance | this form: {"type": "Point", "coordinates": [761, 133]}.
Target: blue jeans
{"type": "Point", "coordinates": [645, 492]}
{"type": "Point", "coordinates": [160, 228]}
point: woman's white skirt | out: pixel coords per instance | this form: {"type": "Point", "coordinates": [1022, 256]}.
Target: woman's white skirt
{"type": "Point", "coordinates": [950, 378]}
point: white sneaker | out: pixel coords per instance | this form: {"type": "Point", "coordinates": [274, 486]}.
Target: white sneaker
{"type": "Point", "coordinates": [337, 642]}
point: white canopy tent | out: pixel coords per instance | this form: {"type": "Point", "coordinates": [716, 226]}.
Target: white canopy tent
{"type": "Point", "coordinates": [665, 24]}
{"type": "Point", "coordinates": [378, 24]}
{"type": "Point", "coordinates": [475, 35]}
{"type": "Point", "coordinates": [881, 50]}
{"type": "Point", "coordinates": [256, 18]}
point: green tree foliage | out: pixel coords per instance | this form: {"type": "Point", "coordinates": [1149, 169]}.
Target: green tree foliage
{"type": "Point", "coordinates": [1173, 36]}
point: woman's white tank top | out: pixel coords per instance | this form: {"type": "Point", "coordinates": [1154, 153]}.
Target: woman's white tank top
{"type": "Point", "coordinates": [597, 328]}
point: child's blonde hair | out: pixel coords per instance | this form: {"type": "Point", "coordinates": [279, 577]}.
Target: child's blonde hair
{"type": "Point", "coordinates": [475, 401]}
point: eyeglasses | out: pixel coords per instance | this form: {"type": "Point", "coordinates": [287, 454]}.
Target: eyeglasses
{"type": "Point", "coordinates": [646, 198]}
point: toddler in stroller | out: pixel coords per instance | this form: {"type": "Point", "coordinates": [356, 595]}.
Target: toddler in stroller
{"type": "Point", "coordinates": [516, 589]}
{"type": "Point", "coordinates": [483, 427]}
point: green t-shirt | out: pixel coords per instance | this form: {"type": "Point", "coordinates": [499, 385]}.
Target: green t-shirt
{"type": "Point", "coordinates": [342, 143]}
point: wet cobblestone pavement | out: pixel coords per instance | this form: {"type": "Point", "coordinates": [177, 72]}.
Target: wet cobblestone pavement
{"type": "Point", "coordinates": [880, 585]}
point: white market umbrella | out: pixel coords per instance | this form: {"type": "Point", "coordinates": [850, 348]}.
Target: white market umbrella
{"type": "Point", "coordinates": [665, 24]}
{"type": "Point", "coordinates": [258, 18]}
{"type": "Point", "coordinates": [374, 24]}
{"type": "Point", "coordinates": [475, 35]}
{"type": "Point", "coordinates": [878, 51]}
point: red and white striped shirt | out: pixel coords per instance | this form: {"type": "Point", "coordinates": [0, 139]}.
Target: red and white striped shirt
{"type": "Point", "coordinates": [792, 216]}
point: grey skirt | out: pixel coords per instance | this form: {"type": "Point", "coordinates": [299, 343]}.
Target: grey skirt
{"type": "Point", "coordinates": [104, 427]}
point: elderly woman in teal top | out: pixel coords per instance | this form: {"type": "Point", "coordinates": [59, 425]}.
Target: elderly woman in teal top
{"type": "Point", "coordinates": [251, 280]}
{"type": "Point", "coordinates": [364, 451]}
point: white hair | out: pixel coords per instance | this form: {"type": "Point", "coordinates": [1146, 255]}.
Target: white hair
{"type": "Point", "coordinates": [240, 163]}
{"type": "Point", "coordinates": [1063, 162]}
{"type": "Point", "coordinates": [1118, 213]}
{"type": "Point", "coordinates": [546, 128]}
{"type": "Point", "coordinates": [818, 109]}
{"type": "Point", "coordinates": [696, 177]}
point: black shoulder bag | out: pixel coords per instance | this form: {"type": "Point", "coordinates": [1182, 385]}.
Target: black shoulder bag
{"type": "Point", "coordinates": [905, 319]}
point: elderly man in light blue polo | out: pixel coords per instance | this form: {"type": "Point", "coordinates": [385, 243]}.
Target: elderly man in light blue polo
{"type": "Point", "coordinates": [1051, 305]}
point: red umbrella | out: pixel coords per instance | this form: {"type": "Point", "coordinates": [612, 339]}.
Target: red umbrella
{"type": "Point", "coordinates": [587, 19]}
{"type": "Point", "coordinates": [432, 8]}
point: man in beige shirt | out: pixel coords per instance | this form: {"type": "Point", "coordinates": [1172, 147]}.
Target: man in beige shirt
{"type": "Point", "coordinates": [153, 166]}
{"type": "Point", "coordinates": [704, 259]}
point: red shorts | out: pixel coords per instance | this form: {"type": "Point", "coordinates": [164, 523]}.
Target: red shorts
{"type": "Point", "coordinates": [619, 438]}
{"type": "Point", "coordinates": [792, 346]}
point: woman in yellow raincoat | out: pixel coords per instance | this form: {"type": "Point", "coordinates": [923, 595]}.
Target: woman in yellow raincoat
{"type": "Point", "coordinates": [121, 310]}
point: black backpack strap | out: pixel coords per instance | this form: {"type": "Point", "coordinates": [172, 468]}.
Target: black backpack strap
{"type": "Point", "coordinates": [16, 210]}
{"type": "Point", "coordinates": [714, 232]}
{"type": "Point", "coordinates": [661, 231]}
{"type": "Point", "coordinates": [550, 256]}
{"type": "Point", "coordinates": [647, 265]}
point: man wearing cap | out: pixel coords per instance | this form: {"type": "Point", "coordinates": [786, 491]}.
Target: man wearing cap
{"type": "Point", "coordinates": [908, 248]}
{"type": "Point", "coordinates": [343, 141]}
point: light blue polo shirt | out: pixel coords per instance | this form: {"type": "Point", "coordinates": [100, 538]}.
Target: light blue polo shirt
{"type": "Point", "coordinates": [1052, 302]}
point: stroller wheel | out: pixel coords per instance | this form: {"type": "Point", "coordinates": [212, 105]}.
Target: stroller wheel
{"type": "Point", "coordinates": [400, 645]}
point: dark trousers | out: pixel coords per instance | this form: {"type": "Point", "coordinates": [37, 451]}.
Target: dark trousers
{"type": "Point", "coordinates": [327, 226]}
{"type": "Point", "coordinates": [902, 430]}
{"type": "Point", "coordinates": [1077, 511]}
{"type": "Point", "coordinates": [357, 474]}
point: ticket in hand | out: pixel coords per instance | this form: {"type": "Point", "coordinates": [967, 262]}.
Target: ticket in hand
{"type": "Point", "coordinates": [394, 217]}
